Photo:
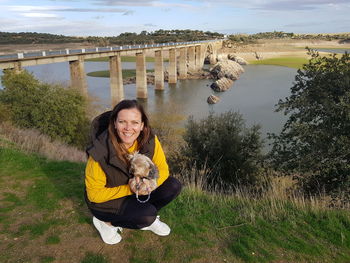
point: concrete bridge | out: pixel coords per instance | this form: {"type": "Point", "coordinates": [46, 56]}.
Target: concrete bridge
{"type": "Point", "coordinates": [184, 57]}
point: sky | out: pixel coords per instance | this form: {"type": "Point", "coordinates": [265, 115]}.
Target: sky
{"type": "Point", "coordinates": [113, 17]}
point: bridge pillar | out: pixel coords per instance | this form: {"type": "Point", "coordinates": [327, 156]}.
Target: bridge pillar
{"type": "Point", "coordinates": [159, 70]}
{"type": "Point", "coordinates": [172, 66]}
{"type": "Point", "coordinates": [203, 53]}
{"type": "Point", "coordinates": [141, 77]}
{"type": "Point", "coordinates": [191, 59]}
{"type": "Point", "coordinates": [116, 79]}
{"type": "Point", "coordinates": [77, 75]}
{"type": "Point", "coordinates": [213, 57]}
{"type": "Point", "coordinates": [183, 63]}
{"type": "Point", "coordinates": [198, 58]}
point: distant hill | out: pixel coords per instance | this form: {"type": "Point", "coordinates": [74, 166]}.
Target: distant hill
{"type": "Point", "coordinates": [159, 36]}
{"type": "Point", "coordinates": [36, 38]}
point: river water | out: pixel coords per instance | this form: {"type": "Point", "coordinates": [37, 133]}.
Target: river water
{"type": "Point", "coordinates": [254, 94]}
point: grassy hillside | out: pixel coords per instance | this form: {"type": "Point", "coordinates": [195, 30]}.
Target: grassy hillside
{"type": "Point", "coordinates": [44, 219]}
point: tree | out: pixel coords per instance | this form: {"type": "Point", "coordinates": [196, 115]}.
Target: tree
{"type": "Point", "coordinates": [223, 144]}
{"type": "Point", "coordinates": [315, 140]}
{"type": "Point", "coordinates": [54, 110]}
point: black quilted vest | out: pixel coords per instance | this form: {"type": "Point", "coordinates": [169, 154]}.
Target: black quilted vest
{"type": "Point", "coordinates": [102, 150]}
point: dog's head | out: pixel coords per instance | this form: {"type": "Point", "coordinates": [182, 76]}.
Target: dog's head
{"type": "Point", "coordinates": [142, 166]}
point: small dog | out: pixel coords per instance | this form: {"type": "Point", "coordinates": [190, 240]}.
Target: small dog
{"type": "Point", "coordinates": [145, 174]}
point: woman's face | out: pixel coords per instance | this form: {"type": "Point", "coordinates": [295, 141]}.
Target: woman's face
{"type": "Point", "coordinates": [129, 126]}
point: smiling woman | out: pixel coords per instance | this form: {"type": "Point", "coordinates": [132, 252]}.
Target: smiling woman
{"type": "Point", "coordinates": [129, 126]}
{"type": "Point", "coordinates": [117, 134]}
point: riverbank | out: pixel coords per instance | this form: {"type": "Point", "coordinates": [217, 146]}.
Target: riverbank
{"type": "Point", "coordinates": [284, 49]}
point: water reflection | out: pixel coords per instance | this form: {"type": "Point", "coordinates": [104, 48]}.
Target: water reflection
{"type": "Point", "coordinates": [332, 50]}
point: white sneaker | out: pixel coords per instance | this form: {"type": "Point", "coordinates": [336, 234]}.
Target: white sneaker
{"type": "Point", "coordinates": [109, 234]}
{"type": "Point", "coordinates": [158, 227]}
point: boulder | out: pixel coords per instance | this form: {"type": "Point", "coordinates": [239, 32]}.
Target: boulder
{"type": "Point", "coordinates": [237, 59]}
{"type": "Point", "coordinates": [226, 69]}
{"type": "Point", "coordinates": [222, 84]}
{"type": "Point", "coordinates": [221, 57]}
{"type": "Point", "coordinates": [212, 99]}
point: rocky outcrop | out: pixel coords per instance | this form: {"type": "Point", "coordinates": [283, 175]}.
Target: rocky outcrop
{"type": "Point", "coordinates": [212, 99]}
{"type": "Point", "coordinates": [222, 84]}
{"type": "Point", "coordinates": [210, 59]}
{"type": "Point", "coordinates": [226, 69]}
{"type": "Point", "coordinates": [225, 72]}
{"type": "Point", "coordinates": [222, 57]}
{"type": "Point", "coordinates": [237, 59]}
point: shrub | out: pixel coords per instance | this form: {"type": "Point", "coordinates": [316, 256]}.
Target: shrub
{"type": "Point", "coordinates": [315, 140]}
{"type": "Point", "coordinates": [52, 109]}
{"type": "Point", "coordinates": [5, 114]}
{"type": "Point", "coordinates": [222, 145]}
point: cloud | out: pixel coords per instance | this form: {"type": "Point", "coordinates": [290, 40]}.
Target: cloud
{"type": "Point", "coordinates": [90, 27]}
{"type": "Point", "coordinates": [294, 5]}
{"type": "Point", "coordinates": [129, 13]}
{"type": "Point", "coordinates": [98, 17]}
{"type": "Point", "coordinates": [94, 10]}
{"type": "Point", "coordinates": [304, 24]}
{"type": "Point", "coordinates": [39, 15]}
{"type": "Point", "coordinates": [65, 9]}
{"type": "Point", "coordinates": [150, 25]}
{"type": "Point", "coordinates": [275, 5]}
{"type": "Point", "coordinates": [125, 3]}
{"type": "Point", "coordinates": [159, 3]}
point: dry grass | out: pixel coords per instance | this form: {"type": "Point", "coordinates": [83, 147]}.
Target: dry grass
{"type": "Point", "coordinates": [32, 141]}
{"type": "Point", "coordinates": [278, 195]}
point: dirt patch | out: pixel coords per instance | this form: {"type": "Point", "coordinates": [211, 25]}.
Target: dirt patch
{"type": "Point", "coordinates": [265, 49]}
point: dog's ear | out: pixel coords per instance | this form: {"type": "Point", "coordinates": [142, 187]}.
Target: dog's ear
{"type": "Point", "coordinates": [149, 162]}
{"type": "Point", "coordinates": [129, 157]}
{"type": "Point", "coordinates": [153, 173]}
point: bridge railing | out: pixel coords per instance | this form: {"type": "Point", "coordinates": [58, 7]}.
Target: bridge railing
{"type": "Point", "coordinates": [45, 53]}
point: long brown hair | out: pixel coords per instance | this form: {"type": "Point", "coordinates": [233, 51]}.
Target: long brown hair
{"type": "Point", "coordinates": [113, 135]}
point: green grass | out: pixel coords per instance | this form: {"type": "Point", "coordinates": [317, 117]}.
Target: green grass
{"type": "Point", "coordinates": [291, 62]}
{"type": "Point", "coordinates": [54, 239]}
{"type": "Point", "coordinates": [123, 58]}
{"type": "Point", "coordinates": [37, 229]}
{"type": "Point", "coordinates": [205, 227]}
{"type": "Point", "coordinates": [47, 259]}
{"type": "Point", "coordinates": [94, 258]}
{"type": "Point", "coordinates": [127, 73]}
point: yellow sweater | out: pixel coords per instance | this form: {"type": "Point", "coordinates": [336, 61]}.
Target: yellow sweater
{"type": "Point", "coordinates": [95, 178]}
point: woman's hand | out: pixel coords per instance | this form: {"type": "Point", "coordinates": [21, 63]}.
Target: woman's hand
{"type": "Point", "coordinates": [142, 186]}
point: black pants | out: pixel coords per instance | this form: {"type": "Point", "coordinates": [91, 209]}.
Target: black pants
{"type": "Point", "coordinates": [136, 215]}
